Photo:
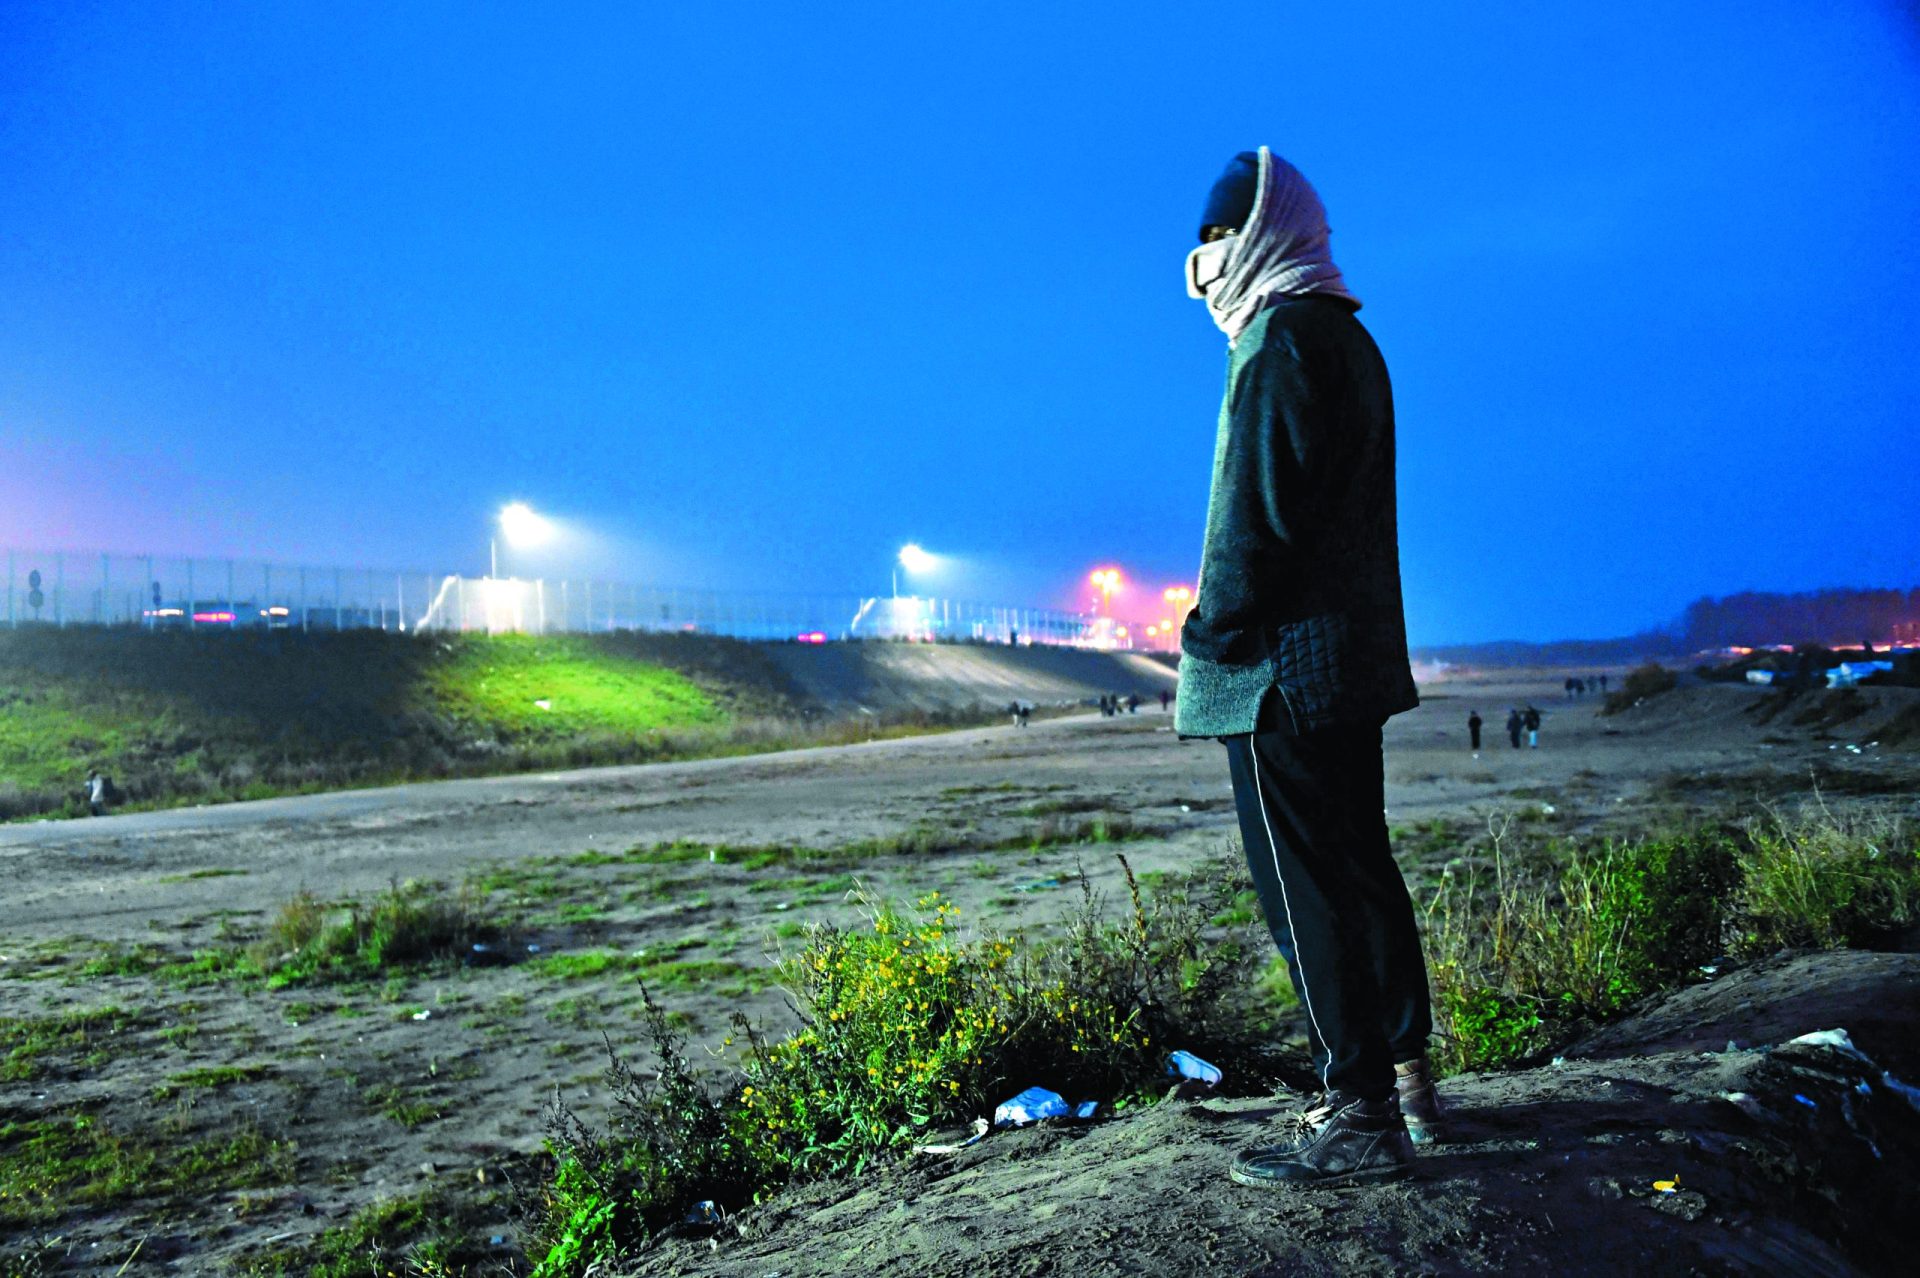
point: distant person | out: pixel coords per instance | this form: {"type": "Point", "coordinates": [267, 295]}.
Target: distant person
{"type": "Point", "coordinates": [1514, 725]}
{"type": "Point", "coordinates": [1023, 713]}
{"type": "Point", "coordinates": [1166, 699]}
{"type": "Point", "coordinates": [1473, 730]}
{"type": "Point", "coordinates": [1014, 710]}
{"type": "Point", "coordinates": [1532, 720]}
{"type": "Point", "coordinates": [99, 787]}
{"type": "Point", "coordinates": [1133, 703]}
{"type": "Point", "coordinates": [1301, 507]}
{"type": "Point", "coordinates": [1603, 683]}
{"type": "Point", "coordinates": [1566, 686]}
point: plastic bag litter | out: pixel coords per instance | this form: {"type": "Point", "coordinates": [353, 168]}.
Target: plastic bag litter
{"type": "Point", "coordinates": [1837, 1039]}
{"type": "Point", "coordinates": [1029, 1106]}
{"type": "Point", "coordinates": [1187, 1065]}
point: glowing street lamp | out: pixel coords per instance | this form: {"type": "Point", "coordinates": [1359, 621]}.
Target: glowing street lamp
{"type": "Point", "coordinates": [1180, 602]}
{"type": "Point", "coordinates": [521, 525]}
{"type": "Point", "coordinates": [1106, 581]}
{"type": "Point", "coordinates": [914, 560]}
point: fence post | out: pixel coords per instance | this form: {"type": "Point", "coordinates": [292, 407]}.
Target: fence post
{"type": "Point", "coordinates": [190, 603]}
{"type": "Point", "coordinates": [400, 603]}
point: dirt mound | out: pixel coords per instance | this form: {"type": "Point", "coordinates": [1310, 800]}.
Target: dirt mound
{"type": "Point", "coordinates": [1888, 716]}
{"type": "Point", "coordinates": [924, 676]}
{"type": "Point", "coordinates": [1657, 1145]}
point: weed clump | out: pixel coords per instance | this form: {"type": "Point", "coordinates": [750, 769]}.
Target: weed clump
{"type": "Point", "coordinates": [1824, 883]}
{"type": "Point", "coordinates": [908, 1023]}
{"type": "Point", "coordinates": [407, 925]}
{"type": "Point", "coordinates": [1524, 961]}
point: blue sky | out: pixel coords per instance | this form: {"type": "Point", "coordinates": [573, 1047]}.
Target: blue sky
{"type": "Point", "coordinates": [750, 295]}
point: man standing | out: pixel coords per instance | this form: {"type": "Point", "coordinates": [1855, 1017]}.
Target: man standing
{"type": "Point", "coordinates": [1474, 722]}
{"type": "Point", "coordinates": [1532, 720]}
{"type": "Point", "coordinates": [1294, 656]}
{"type": "Point", "coordinates": [1514, 724]}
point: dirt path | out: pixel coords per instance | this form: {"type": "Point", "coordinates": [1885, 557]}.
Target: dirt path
{"type": "Point", "coordinates": [97, 877]}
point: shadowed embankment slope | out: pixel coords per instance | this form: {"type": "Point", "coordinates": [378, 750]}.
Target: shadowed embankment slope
{"type": "Point", "coordinates": [881, 677]}
{"type": "Point", "coordinates": [216, 715]}
{"type": "Point", "coordinates": [1694, 1137]}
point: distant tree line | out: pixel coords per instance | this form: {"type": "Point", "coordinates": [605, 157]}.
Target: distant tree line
{"type": "Point", "coordinates": [1839, 616]}
{"type": "Point", "coordinates": [1750, 619]}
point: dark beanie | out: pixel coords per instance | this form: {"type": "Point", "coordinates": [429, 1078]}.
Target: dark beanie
{"type": "Point", "coordinates": [1230, 203]}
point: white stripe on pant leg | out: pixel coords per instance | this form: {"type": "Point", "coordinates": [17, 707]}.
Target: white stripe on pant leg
{"type": "Point", "coordinates": [1273, 847]}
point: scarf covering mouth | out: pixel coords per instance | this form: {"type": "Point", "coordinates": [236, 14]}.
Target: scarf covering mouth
{"type": "Point", "coordinates": [1283, 251]}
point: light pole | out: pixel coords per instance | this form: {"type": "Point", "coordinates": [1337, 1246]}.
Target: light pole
{"type": "Point", "coordinates": [1180, 601]}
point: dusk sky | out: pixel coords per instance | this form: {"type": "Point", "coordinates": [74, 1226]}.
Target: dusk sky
{"type": "Point", "coordinates": [750, 295]}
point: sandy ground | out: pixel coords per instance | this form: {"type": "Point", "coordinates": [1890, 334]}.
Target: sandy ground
{"type": "Point", "coordinates": [438, 1081]}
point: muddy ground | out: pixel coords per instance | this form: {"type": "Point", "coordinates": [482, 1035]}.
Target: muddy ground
{"type": "Point", "coordinates": [329, 1100]}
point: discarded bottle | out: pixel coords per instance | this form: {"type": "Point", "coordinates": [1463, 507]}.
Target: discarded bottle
{"type": "Point", "coordinates": [1187, 1065]}
{"type": "Point", "coordinates": [1029, 1106]}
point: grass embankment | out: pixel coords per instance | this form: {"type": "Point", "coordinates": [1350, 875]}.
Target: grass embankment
{"type": "Point", "coordinates": [177, 717]}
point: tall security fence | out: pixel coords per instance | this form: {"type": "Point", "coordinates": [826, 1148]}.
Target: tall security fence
{"type": "Point", "coordinates": [62, 588]}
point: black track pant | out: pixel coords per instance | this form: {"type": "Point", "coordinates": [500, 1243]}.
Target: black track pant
{"type": "Point", "coordinates": [1312, 816]}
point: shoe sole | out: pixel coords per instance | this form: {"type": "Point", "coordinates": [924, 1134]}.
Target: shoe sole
{"type": "Point", "coordinates": [1363, 1176]}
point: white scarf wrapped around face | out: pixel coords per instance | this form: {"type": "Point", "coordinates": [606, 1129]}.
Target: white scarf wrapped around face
{"type": "Point", "coordinates": [1282, 251]}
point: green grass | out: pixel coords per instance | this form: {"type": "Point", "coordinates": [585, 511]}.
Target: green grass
{"type": "Point", "coordinates": [658, 966]}
{"type": "Point", "coordinates": [36, 1047]}
{"type": "Point", "coordinates": [176, 717]}
{"type": "Point", "coordinates": [430, 1233]}
{"type": "Point", "coordinates": [53, 1166]}
{"type": "Point", "coordinates": [502, 681]}
{"type": "Point", "coordinates": [210, 1078]}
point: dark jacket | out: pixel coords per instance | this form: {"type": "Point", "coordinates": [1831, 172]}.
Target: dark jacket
{"type": "Point", "coordinates": [1299, 593]}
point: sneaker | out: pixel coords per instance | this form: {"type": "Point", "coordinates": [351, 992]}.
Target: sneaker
{"type": "Point", "coordinates": [1419, 1103]}
{"type": "Point", "coordinates": [1338, 1139]}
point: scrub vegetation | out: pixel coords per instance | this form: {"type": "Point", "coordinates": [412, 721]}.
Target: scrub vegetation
{"type": "Point", "coordinates": [1549, 941]}
{"type": "Point", "coordinates": [908, 1023]}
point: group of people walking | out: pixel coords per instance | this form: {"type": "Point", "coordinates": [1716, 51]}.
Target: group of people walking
{"type": "Point", "coordinates": [1518, 721]}
{"type": "Point", "coordinates": [1577, 687]}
